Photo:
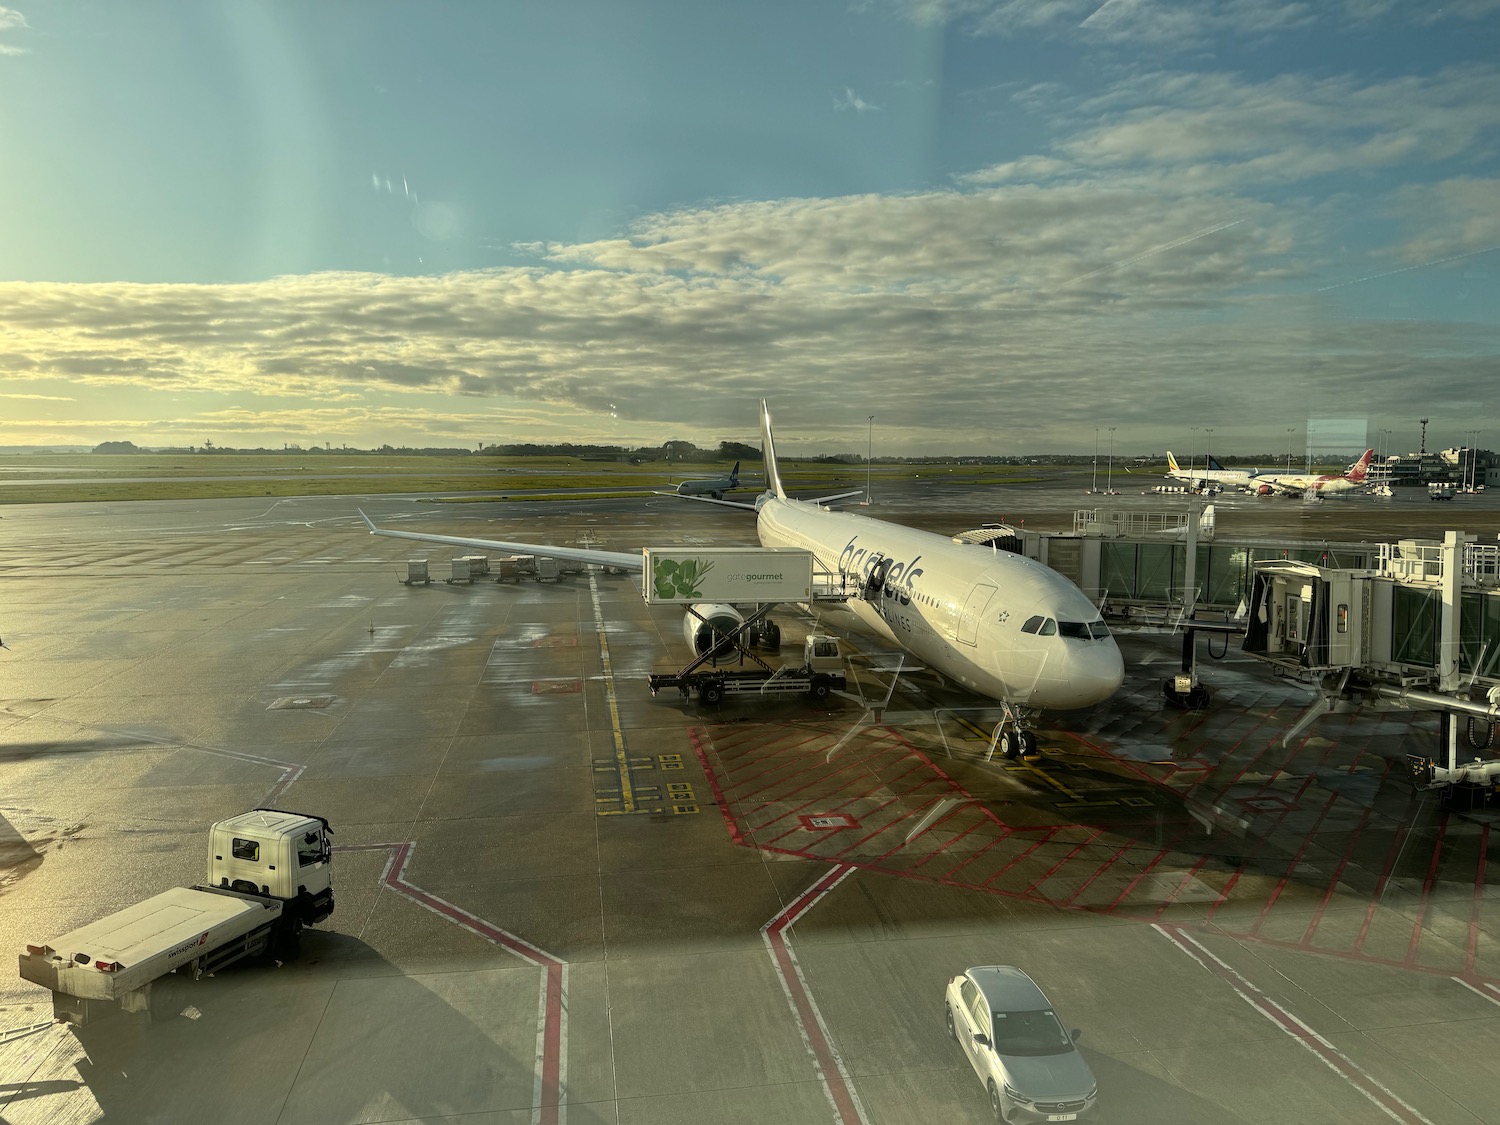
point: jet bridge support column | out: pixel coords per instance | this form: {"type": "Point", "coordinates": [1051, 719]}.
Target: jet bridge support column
{"type": "Point", "coordinates": [1185, 690]}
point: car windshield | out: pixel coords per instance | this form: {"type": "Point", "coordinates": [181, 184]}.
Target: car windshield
{"type": "Point", "coordinates": [1030, 1033]}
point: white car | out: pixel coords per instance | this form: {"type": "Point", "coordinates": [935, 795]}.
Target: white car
{"type": "Point", "coordinates": [1024, 1057]}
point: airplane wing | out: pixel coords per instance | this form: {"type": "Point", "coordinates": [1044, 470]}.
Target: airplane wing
{"type": "Point", "coordinates": [1278, 485]}
{"type": "Point", "coordinates": [620, 559]}
{"type": "Point", "coordinates": [709, 500]}
{"type": "Point", "coordinates": [835, 496]}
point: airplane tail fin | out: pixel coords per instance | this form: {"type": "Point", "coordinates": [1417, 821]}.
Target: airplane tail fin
{"type": "Point", "coordinates": [1213, 463]}
{"type": "Point", "coordinates": [768, 451]}
{"type": "Point", "coordinates": [1172, 462]}
{"type": "Point", "coordinates": [1357, 473]}
{"type": "Point", "coordinates": [734, 475]}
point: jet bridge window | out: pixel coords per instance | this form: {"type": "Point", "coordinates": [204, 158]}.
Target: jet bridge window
{"type": "Point", "coordinates": [245, 849]}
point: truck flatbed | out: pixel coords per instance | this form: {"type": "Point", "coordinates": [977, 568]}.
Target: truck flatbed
{"type": "Point", "coordinates": [145, 941]}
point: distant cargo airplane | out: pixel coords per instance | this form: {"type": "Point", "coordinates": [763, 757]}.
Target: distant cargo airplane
{"type": "Point", "coordinates": [1301, 484]}
{"type": "Point", "coordinates": [1000, 624]}
{"type": "Point", "coordinates": [1214, 474]}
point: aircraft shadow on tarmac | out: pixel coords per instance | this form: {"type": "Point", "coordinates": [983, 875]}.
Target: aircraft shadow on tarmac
{"type": "Point", "coordinates": [338, 1033]}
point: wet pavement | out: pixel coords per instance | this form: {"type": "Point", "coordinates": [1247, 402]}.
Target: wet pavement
{"type": "Point", "coordinates": [561, 899]}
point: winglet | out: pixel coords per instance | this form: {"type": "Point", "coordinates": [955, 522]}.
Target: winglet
{"type": "Point", "coordinates": [768, 451]}
{"type": "Point", "coordinates": [368, 522]}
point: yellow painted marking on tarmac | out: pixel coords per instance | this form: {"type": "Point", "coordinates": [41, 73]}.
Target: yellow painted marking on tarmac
{"type": "Point", "coordinates": [622, 760]}
{"type": "Point", "coordinates": [669, 761]}
{"type": "Point", "coordinates": [1044, 775]}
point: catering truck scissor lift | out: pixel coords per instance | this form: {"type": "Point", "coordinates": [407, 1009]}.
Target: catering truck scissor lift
{"type": "Point", "coordinates": [269, 875]}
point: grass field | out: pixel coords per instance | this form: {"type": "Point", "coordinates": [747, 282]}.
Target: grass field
{"type": "Point", "coordinates": [95, 477]}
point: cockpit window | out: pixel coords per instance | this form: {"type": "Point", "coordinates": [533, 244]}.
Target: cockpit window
{"type": "Point", "coordinates": [1082, 630]}
{"type": "Point", "coordinates": [1049, 628]}
{"type": "Point", "coordinates": [1033, 624]}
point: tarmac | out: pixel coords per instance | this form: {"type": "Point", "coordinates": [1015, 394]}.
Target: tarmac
{"type": "Point", "coordinates": [560, 899]}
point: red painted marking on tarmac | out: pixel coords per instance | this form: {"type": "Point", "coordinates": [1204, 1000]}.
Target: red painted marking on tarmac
{"type": "Point", "coordinates": [1187, 881]}
{"type": "Point", "coordinates": [830, 1067]}
{"type": "Point", "coordinates": [1121, 897]}
{"type": "Point", "coordinates": [947, 876]}
{"type": "Point", "coordinates": [1385, 874]}
{"type": "Point", "coordinates": [1098, 871]}
{"type": "Point", "coordinates": [1362, 1081]}
{"type": "Point", "coordinates": [1044, 837]}
{"type": "Point", "coordinates": [1421, 922]}
{"type": "Point", "coordinates": [946, 816]}
{"type": "Point", "coordinates": [547, 1106]}
{"type": "Point", "coordinates": [1056, 867]}
{"type": "Point", "coordinates": [713, 783]}
{"type": "Point", "coordinates": [1291, 867]}
{"type": "Point", "coordinates": [1333, 882]}
{"type": "Point", "coordinates": [1472, 952]}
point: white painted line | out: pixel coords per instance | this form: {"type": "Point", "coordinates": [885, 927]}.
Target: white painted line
{"type": "Point", "coordinates": [1338, 1062]}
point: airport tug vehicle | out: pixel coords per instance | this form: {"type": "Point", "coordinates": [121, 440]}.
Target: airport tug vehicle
{"type": "Point", "coordinates": [269, 875]}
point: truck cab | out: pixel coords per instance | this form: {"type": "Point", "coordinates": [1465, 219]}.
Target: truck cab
{"type": "Point", "coordinates": [820, 653]}
{"type": "Point", "coordinates": [274, 854]}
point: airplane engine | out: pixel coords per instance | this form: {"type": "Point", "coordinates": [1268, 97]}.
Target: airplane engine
{"type": "Point", "coordinates": [712, 628]}
{"type": "Point", "coordinates": [1264, 490]}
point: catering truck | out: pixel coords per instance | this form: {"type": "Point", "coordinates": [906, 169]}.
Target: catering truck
{"type": "Point", "coordinates": [269, 875]}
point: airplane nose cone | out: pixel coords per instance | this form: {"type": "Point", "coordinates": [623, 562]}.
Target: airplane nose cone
{"type": "Point", "coordinates": [1098, 673]}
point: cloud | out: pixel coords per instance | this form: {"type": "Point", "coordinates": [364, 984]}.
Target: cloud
{"type": "Point", "coordinates": [37, 398]}
{"type": "Point", "coordinates": [850, 100]}
{"type": "Point", "coordinates": [1188, 131]}
{"type": "Point", "coordinates": [1163, 260]}
{"type": "Point", "coordinates": [1169, 25]}
{"type": "Point", "coordinates": [12, 20]}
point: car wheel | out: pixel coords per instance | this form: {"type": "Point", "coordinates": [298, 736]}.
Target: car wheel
{"type": "Point", "coordinates": [952, 1027]}
{"type": "Point", "coordinates": [996, 1105]}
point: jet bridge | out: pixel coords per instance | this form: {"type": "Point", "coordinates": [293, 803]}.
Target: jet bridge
{"type": "Point", "coordinates": [1419, 629]}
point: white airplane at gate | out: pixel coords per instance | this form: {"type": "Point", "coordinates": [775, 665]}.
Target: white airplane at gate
{"type": "Point", "coordinates": [1212, 475]}
{"type": "Point", "coordinates": [1002, 625]}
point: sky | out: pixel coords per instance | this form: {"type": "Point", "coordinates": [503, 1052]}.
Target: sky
{"type": "Point", "coordinates": [996, 226]}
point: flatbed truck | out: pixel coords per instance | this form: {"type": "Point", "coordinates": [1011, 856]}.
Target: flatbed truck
{"type": "Point", "coordinates": [269, 875]}
{"type": "Point", "coordinates": [821, 672]}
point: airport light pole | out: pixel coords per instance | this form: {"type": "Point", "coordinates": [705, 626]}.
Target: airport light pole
{"type": "Point", "coordinates": [869, 449]}
{"type": "Point", "coordinates": [1290, 430]}
{"type": "Point", "coordinates": [1095, 487]}
{"type": "Point", "coordinates": [1109, 476]}
{"type": "Point", "coordinates": [1193, 453]}
{"type": "Point", "coordinates": [1208, 440]}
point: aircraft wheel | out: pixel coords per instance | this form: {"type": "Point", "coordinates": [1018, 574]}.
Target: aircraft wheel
{"type": "Point", "coordinates": [1028, 745]}
{"type": "Point", "coordinates": [1010, 745]}
{"type": "Point", "coordinates": [770, 635]}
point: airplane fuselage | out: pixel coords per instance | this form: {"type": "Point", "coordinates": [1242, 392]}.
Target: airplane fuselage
{"type": "Point", "coordinates": [960, 609]}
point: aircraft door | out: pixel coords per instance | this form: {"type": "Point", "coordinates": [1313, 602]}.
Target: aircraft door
{"type": "Point", "coordinates": [973, 612]}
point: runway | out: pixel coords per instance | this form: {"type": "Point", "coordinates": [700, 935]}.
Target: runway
{"type": "Point", "coordinates": [562, 900]}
